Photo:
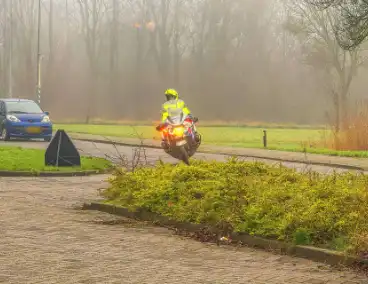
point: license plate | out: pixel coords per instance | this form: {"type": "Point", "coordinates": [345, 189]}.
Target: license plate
{"type": "Point", "coordinates": [34, 130]}
{"type": "Point", "coordinates": [181, 143]}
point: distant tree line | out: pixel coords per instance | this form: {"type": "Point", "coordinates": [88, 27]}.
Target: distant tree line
{"type": "Point", "coordinates": [258, 60]}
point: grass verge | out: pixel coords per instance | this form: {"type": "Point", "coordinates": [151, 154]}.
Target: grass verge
{"type": "Point", "coordinates": [268, 201]}
{"type": "Point", "coordinates": [248, 124]}
{"type": "Point", "coordinates": [231, 136]}
{"type": "Point", "coordinates": [22, 159]}
{"type": "Point", "coordinates": [290, 140]}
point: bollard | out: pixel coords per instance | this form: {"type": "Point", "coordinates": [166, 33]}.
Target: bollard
{"type": "Point", "coordinates": [265, 138]}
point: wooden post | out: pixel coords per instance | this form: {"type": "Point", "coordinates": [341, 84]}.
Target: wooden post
{"type": "Point", "coordinates": [265, 138]}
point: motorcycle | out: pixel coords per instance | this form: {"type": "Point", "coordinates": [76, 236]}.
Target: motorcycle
{"type": "Point", "coordinates": [180, 138]}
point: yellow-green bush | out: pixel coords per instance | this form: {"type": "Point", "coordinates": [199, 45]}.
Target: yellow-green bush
{"type": "Point", "coordinates": [269, 201]}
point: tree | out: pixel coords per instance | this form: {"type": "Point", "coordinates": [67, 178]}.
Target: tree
{"type": "Point", "coordinates": [91, 13]}
{"type": "Point", "coordinates": [113, 59]}
{"type": "Point", "coordinates": [24, 47]}
{"type": "Point", "coordinates": [352, 28]}
{"type": "Point", "coordinates": [315, 31]}
{"type": "Point", "coordinates": [4, 46]}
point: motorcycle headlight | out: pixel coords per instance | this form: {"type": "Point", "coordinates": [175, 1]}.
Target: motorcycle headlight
{"type": "Point", "coordinates": [179, 131]}
{"type": "Point", "coordinates": [12, 118]}
{"type": "Point", "coordinates": [46, 118]}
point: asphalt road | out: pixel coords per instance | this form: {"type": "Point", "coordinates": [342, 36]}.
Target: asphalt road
{"type": "Point", "coordinates": [151, 156]}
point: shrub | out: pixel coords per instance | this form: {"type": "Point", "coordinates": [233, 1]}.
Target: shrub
{"type": "Point", "coordinates": [352, 134]}
{"type": "Point", "coordinates": [269, 201]}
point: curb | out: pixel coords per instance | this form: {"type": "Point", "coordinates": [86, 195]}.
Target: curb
{"type": "Point", "coordinates": [311, 253]}
{"type": "Point", "coordinates": [333, 165]}
{"type": "Point", "coordinates": [52, 174]}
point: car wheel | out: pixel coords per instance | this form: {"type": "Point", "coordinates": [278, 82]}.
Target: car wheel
{"type": "Point", "coordinates": [4, 135]}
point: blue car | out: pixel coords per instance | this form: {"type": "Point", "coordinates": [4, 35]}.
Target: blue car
{"type": "Point", "coordinates": [24, 119]}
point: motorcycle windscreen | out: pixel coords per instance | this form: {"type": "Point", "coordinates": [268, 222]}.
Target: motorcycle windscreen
{"type": "Point", "coordinates": [176, 116]}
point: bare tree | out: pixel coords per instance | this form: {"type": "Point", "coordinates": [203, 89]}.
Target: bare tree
{"type": "Point", "coordinates": [114, 46]}
{"type": "Point", "coordinates": [352, 28]}
{"type": "Point", "coordinates": [112, 59]}
{"type": "Point", "coordinates": [4, 23]}
{"type": "Point", "coordinates": [314, 29]}
{"type": "Point", "coordinates": [25, 47]}
{"type": "Point", "coordinates": [92, 13]}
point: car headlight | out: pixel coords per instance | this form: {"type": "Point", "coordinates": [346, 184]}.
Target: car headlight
{"type": "Point", "coordinates": [12, 118]}
{"type": "Point", "coordinates": [46, 118]}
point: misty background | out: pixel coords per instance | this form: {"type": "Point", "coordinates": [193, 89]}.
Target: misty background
{"type": "Point", "coordinates": [231, 60]}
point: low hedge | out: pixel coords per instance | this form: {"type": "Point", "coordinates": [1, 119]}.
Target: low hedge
{"type": "Point", "coordinates": [270, 201]}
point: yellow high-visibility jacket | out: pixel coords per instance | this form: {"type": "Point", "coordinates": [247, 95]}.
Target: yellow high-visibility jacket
{"type": "Point", "coordinates": [173, 107]}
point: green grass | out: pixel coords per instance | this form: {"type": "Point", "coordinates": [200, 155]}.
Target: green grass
{"type": "Point", "coordinates": [123, 131]}
{"type": "Point", "coordinates": [203, 124]}
{"type": "Point", "coordinates": [22, 159]}
{"type": "Point", "coordinates": [282, 139]}
{"type": "Point", "coordinates": [230, 136]}
{"type": "Point", "coordinates": [275, 202]}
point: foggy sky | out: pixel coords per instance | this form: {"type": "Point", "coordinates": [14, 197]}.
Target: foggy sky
{"type": "Point", "coordinates": [243, 60]}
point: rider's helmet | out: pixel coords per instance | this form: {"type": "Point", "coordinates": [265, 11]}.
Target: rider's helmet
{"type": "Point", "coordinates": [171, 94]}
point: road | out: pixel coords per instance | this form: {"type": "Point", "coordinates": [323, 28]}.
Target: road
{"type": "Point", "coordinates": [151, 156]}
{"type": "Point", "coordinates": [46, 238]}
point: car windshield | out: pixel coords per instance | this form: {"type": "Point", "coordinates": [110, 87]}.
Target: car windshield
{"type": "Point", "coordinates": [23, 107]}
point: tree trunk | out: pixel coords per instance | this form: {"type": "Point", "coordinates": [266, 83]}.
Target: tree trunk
{"type": "Point", "coordinates": [337, 122]}
{"type": "Point", "coordinates": [344, 105]}
{"type": "Point", "coordinates": [92, 54]}
{"type": "Point", "coordinates": [114, 94]}
{"type": "Point", "coordinates": [177, 53]}
{"type": "Point", "coordinates": [138, 75]}
{"type": "Point", "coordinates": [49, 82]}
{"type": "Point", "coordinates": [51, 34]}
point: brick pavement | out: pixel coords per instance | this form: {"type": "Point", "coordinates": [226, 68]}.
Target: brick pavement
{"type": "Point", "coordinates": [44, 239]}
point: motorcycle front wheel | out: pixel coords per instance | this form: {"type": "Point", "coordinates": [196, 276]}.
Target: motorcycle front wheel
{"type": "Point", "coordinates": [184, 155]}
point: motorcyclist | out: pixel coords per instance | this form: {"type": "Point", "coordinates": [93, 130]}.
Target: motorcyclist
{"type": "Point", "coordinates": [173, 104]}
